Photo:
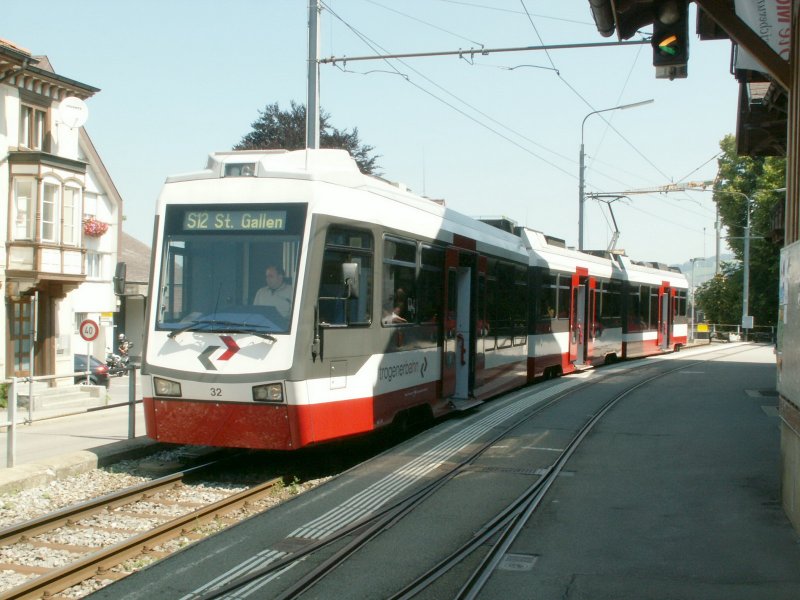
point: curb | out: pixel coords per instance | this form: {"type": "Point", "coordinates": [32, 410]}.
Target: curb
{"type": "Point", "coordinates": [41, 473]}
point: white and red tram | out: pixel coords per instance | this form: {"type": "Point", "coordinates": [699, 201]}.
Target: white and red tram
{"type": "Point", "coordinates": [378, 305]}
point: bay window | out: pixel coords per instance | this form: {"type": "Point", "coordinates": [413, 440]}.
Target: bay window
{"type": "Point", "coordinates": [59, 211]}
{"type": "Point", "coordinates": [50, 206]}
{"type": "Point", "coordinates": [24, 209]}
{"type": "Point", "coordinates": [71, 213]}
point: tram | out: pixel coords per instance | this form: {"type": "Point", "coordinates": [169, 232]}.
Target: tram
{"type": "Point", "coordinates": [297, 301]}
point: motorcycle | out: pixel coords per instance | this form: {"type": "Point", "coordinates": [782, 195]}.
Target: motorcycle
{"type": "Point", "coordinates": [119, 364]}
{"type": "Point", "coordinates": [116, 368]}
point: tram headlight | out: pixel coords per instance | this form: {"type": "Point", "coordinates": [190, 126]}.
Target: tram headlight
{"type": "Point", "coordinates": [165, 387]}
{"type": "Point", "coordinates": [269, 392]}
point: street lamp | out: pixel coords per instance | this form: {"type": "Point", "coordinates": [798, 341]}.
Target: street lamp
{"type": "Point", "coordinates": [747, 320]}
{"type": "Point", "coordinates": [691, 319]}
{"type": "Point", "coordinates": [581, 195]}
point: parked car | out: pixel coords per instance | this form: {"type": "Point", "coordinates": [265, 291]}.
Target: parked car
{"type": "Point", "coordinates": [98, 374]}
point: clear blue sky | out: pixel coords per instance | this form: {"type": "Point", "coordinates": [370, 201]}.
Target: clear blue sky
{"type": "Point", "coordinates": [180, 79]}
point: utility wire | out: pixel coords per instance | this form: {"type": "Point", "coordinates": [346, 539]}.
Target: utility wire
{"type": "Point", "coordinates": [375, 47]}
{"type": "Point", "coordinates": [424, 22]}
{"type": "Point", "coordinates": [577, 93]}
{"type": "Point", "coordinates": [516, 12]}
{"type": "Point", "coordinates": [717, 155]}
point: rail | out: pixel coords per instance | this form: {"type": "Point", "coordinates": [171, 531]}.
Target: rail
{"type": "Point", "coordinates": [14, 386]}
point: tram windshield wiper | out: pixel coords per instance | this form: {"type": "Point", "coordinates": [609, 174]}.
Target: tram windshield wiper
{"type": "Point", "coordinates": [226, 325]}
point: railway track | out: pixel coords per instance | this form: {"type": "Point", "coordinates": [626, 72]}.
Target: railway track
{"type": "Point", "coordinates": [497, 534]}
{"type": "Point", "coordinates": [145, 518]}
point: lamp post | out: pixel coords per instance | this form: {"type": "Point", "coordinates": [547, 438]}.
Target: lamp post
{"type": "Point", "coordinates": [747, 320]}
{"type": "Point", "coordinates": [581, 195]}
{"type": "Point", "coordinates": [691, 318]}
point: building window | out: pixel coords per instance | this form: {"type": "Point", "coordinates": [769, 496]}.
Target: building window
{"type": "Point", "coordinates": [94, 265]}
{"type": "Point", "coordinates": [32, 127]}
{"type": "Point", "coordinates": [50, 205]}
{"type": "Point", "coordinates": [24, 213]}
{"type": "Point", "coordinates": [72, 201]}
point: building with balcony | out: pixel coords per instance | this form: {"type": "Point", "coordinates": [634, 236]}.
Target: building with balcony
{"type": "Point", "coordinates": [60, 223]}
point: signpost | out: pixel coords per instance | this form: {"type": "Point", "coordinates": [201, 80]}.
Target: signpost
{"type": "Point", "coordinates": [89, 332]}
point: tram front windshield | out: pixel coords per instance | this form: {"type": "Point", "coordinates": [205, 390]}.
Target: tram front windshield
{"type": "Point", "coordinates": [230, 268]}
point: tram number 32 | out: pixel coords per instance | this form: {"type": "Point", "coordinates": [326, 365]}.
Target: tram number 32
{"type": "Point", "coordinates": [216, 392]}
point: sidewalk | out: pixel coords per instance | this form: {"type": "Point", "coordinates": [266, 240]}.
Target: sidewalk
{"type": "Point", "coordinates": [57, 447]}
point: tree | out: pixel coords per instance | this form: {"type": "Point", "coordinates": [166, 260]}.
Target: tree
{"type": "Point", "coordinates": [277, 129]}
{"type": "Point", "coordinates": [720, 298]}
{"type": "Point", "coordinates": [742, 182]}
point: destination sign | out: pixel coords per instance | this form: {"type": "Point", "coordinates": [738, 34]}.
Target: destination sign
{"type": "Point", "coordinates": [234, 220]}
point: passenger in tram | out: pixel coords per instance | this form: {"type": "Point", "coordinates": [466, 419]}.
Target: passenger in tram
{"type": "Point", "coordinates": [277, 292]}
{"type": "Point", "coordinates": [399, 311]}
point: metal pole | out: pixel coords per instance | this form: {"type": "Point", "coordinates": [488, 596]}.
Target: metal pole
{"type": "Point", "coordinates": [581, 194]}
{"type": "Point", "coordinates": [581, 182]}
{"type": "Point", "coordinates": [32, 355]}
{"type": "Point", "coordinates": [312, 104]}
{"type": "Point", "coordinates": [132, 402]}
{"type": "Point", "coordinates": [746, 277]}
{"type": "Point", "coordinates": [718, 241]}
{"type": "Point", "coordinates": [691, 318]}
{"type": "Point", "coordinates": [11, 435]}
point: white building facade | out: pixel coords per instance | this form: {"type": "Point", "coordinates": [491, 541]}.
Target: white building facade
{"type": "Point", "coordinates": [60, 223]}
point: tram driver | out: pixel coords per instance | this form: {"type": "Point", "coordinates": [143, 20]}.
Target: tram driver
{"type": "Point", "coordinates": [277, 292]}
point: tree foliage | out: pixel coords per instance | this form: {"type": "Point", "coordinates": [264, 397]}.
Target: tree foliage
{"type": "Point", "coordinates": [720, 298]}
{"type": "Point", "coordinates": [279, 129]}
{"type": "Point", "coordinates": [744, 181]}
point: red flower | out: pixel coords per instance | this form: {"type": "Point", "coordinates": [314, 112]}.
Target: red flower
{"type": "Point", "coordinates": [94, 228]}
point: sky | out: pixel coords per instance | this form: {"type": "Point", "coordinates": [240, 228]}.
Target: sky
{"type": "Point", "coordinates": [492, 135]}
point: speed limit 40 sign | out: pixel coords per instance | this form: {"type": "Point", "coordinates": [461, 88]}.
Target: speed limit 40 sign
{"type": "Point", "coordinates": [89, 330]}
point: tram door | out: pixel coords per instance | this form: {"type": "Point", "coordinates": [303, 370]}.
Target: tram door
{"type": "Point", "coordinates": [665, 303]}
{"type": "Point", "coordinates": [582, 317]}
{"type": "Point", "coordinates": [457, 360]}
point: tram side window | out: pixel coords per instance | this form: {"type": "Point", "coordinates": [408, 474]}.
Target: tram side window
{"type": "Point", "coordinates": [399, 282]}
{"type": "Point", "coordinates": [547, 303]}
{"type": "Point", "coordinates": [654, 308]}
{"type": "Point", "coordinates": [610, 310]}
{"type": "Point", "coordinates": [344, 245]}
{"type": "Point", "coordinates": [680, 303]}
{"type": "Point", "coordinates": [563, 299]}
{"type": "Point", "coordinates": [634, 314]}
{"type": "Point", "coordinates": [485, 339]}
{"type": "Point", "coordinates": [504, 322]}
{"type": "Point", "coordinates": [429, 292]}
{"type": "Point", "coordinates": [510, 301]}
{"type": "Point", "coordinates": [173, 297]}
{"type": "Point", "coordinates": [644, 307]}
{"type": "Point", "coordinates": [519, 305]}
{"type": "Point", "coordinates": [491, 313]}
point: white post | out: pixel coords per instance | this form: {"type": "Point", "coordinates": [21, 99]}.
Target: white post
{"type": "Point", "coordinates": [746, 324]}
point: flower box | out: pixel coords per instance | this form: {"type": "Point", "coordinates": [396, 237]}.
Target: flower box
{"type": "Point", "coordinates": [94, 228]}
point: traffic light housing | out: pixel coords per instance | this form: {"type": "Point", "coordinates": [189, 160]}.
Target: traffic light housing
{"type": "Point", "coordinates": [670, 38]}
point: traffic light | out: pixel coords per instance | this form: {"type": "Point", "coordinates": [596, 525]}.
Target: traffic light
{"type": "Point", "coordinates": [670, 38]}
